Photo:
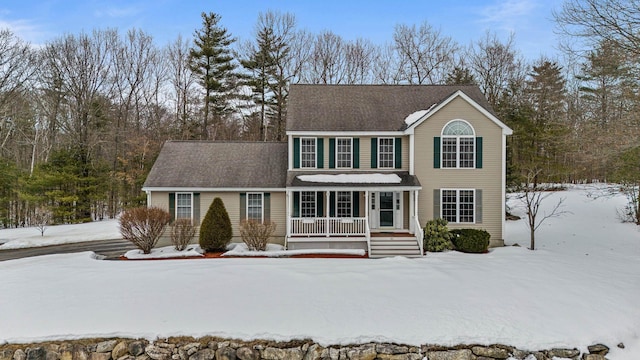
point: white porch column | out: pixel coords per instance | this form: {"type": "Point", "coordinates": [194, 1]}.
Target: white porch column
{"type": "Point", "coordinates": [288, 205]}
{"type": "Point", "coordinates": [366, 205]}
{"type": "Point", "coordinates": [326, 218]}
{"type": "Point", "coordinates": [412, 204]}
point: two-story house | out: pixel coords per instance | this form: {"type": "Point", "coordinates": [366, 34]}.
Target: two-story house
{"type": "Point", "coordinates": [364, 167]}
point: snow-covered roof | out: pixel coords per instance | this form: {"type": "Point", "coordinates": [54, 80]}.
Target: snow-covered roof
{"type": "Point", "coordinates": [352, 178]}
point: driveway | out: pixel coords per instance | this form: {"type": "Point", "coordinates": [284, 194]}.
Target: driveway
{"type": "Point", "coordinates": [112, 249]}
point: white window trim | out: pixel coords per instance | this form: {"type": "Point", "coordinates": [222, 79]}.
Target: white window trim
{"type": "Point", "coordinates": [175, 215]}
{"type": "Point", "coordinates": [393, 152]}
{"type": "Point", "coordinates": [261, 205]}
{"type": "Point", "coordinates": [315, 204]}
{"type": "Point", "coordinates": [457, 137]}
{"type": "Point", "coordinates": [350, 153]}
{"type": "Point", "coordinates": [315, 153]}
{"type": "Point", "coordinates": [458, 205]}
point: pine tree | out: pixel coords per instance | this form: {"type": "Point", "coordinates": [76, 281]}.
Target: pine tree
{"type": "Point", "coordinates": [210, 59]}
{"type": "Point", "coordinates": [262, 68]}
{"type": "Point", "coordinates": [460, 76]}
{"type": "Point", "coordinates": [215, 230]}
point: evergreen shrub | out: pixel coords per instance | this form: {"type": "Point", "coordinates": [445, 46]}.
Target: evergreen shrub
{"type": "Point", "coordinates": [437, 237]}
{"type": "Point", "coordinates": [215, 229]}
{"type": "Point", "coordinates": [471, 240]}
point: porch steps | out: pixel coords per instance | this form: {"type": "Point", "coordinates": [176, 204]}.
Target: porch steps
{"type": "Point", "coordinates": [383, 246]}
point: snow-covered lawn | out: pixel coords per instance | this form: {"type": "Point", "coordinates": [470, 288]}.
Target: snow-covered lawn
{"type": "Point", "coordinates": [582, 287]}
{"type": "Point", "coordinates": [60, 234]}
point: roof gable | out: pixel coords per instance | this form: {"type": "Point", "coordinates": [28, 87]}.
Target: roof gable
{"type": "Point", "coordinates": [459, 94]}
{"type": "Point", "coordinates": [218, 164]}
{"type": "Point", "coordinates": [366, 107]}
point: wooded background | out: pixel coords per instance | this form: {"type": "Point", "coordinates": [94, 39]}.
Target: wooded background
{"type": "Point", "coordinates": [83, 117]}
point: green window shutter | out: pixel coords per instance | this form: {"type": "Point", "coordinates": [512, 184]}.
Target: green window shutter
{"type": "Point", "coordinates": [266, 207]}
{"type": "Point", "coordinates": [479, 206]}
{"type": "Point", "coordinates": [479, 152]}
{"type": "Point", "coordinates": [374, 153]}
{"type": "Point", "coordinates": [296, 204]}
{"type": "Point", "coordinates": [355, 206]}
{"type": "Point", "coordinates": [296, 153]}
{"type": "Point", "coordinates": [332, 204]}
{"type": "Point", "coordinates": [319, 204]}
{"type": "Point", "coordinates": [196, 208]}
{"type": "Point", "coordinates": [436, 152]}
{"type": "Point", "coordinates": [398, 153]}
{"type": "Point", "coordinates": [243, 206]}
{"type": "Point", "coordinates": [332, 153]}
{"type": "Point", "coordinates": [172, 206]}
{"type": "Point", "coordinates": [436, 203]}
{"type": "Point", "coordinates": [356, 153]}
{"type": "Point", "coordinates": [320, 153]}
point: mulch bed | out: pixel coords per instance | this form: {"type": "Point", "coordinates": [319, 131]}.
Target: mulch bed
{"type": "Point", "coordinates": [218, 255]}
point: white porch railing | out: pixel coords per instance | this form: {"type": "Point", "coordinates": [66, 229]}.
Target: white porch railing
{"type": "Point", "coordinates": [331, 226]}
{"type": "Point", "coordinates": [419, 233]}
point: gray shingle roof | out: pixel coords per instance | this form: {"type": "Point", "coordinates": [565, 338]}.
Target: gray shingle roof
{"type": "Point", "coordinates": [365, 107]}
{"type": "Point", "coordinates": [217, 164]}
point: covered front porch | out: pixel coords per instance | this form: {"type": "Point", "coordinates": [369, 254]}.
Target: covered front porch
{"type": "Point", "coordinates": [354, 214]}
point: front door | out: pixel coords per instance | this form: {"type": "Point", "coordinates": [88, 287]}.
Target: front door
{"type": "Point", "coordinates": [387, 213]}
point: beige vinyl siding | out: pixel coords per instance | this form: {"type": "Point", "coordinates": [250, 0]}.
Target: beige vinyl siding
{"type": "Point", "coordinates": [489, 178]}
{"type": "Point", "coordinates": [231, 202]}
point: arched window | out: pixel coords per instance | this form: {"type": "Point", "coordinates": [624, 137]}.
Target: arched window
{"type": "Point", "coordinates": [458, 145]}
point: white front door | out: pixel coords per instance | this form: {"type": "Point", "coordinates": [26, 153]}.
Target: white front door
{"type": "Point", "coordinates": [386, 210]}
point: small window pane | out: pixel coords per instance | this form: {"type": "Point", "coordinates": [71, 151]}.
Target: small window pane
{"type": "Point", "coordinates": [343, 204]}
{"type": "Point", "coordinates": [449, 152]}
{"type": "Point", "coordinates": [458, 206]}
{"type": "Point", "coordinates": [467, 152]}
{"type": "Point", "coordinates": [385, 153]}
{"type": "Point", "coordinates": [183, 206]}
{"type": "Point", "coordinates": [308, 204]}
{"type": "Point", "coordinates": [343, 153]}
{"type": "Point", "coordinates": [254, 206]}
{"type": "Point", "coordinates": [308, 152]}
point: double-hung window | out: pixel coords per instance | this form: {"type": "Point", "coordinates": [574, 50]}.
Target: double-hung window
{"type": "Point", "coordinates": [255, 206]}
{"type": "Point", "coordinates": [386, 157]}
{"type": "Point", "coordinates": [344, 152]}
{"type": "Point", "coordinates": [458, 145]}
{"type": "Point", "coordinates": [184, 207]}
{"type": "Point", "coordinates": [458, 205]}
{"type": "Point", "coordinates": [308, 153]}
{"type": "Point", "coordinates": [343, 203]}
{"type": "Point", "coordinates": [308, 204]}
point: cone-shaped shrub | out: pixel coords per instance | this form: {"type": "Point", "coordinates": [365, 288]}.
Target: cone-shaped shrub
{"type": "Point", "coordinates": [215, 230]}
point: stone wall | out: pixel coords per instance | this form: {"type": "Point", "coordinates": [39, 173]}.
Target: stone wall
{"type": "Point", "coordinates": [209, 348]}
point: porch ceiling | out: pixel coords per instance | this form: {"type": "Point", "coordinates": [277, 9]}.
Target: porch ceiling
{"type": "Point", "coordinates": [407, 182]}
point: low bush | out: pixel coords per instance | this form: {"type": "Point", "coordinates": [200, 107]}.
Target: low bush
{"type": "Point", "coordinates": [256, 234]}
{"type": "Point", "coordinates": [437, 237]}
{"type": "Point", "coordinates": [181, 233]}
{"type": "Point", "coordinates": [215, 229]}
{"type": "Point", "coordinates": [143, 226]}
{"type": "Point", "coordinates": [471, 240]}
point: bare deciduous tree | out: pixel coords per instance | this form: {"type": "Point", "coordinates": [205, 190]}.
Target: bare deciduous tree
{"type": "Point", "coordinates": [426, 56]}
{"type": "Point", "coordinates": [597, 20]}
{"type": "Point", "coordinates": [532, 197]}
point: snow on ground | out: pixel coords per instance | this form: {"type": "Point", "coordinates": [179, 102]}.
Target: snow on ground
{"type": "Point", "coordinates": [274, 250]}
{"type": "Point", "coordinates": [581, 287]}
{"type": "Point", "coordinates": [59, 234]}
{"type": "Point", "coordinates": [352, 178]}
{"type": "Point", "coordinates": [165, 253]}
